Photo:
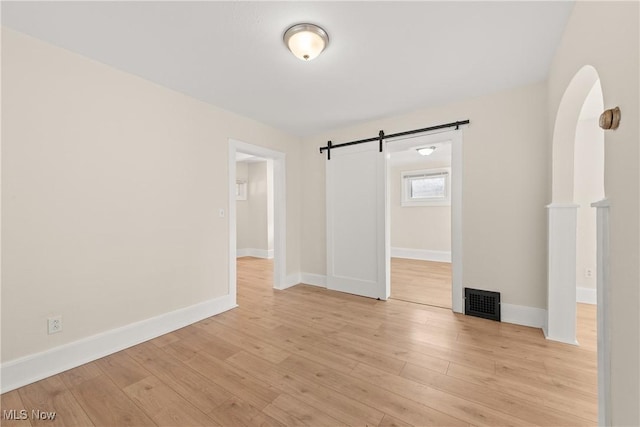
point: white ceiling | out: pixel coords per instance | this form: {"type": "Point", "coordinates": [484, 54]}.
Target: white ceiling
{"type": "Point", "coordinates": [384, 58]}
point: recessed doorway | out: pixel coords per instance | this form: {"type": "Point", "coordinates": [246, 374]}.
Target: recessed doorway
{"type": "Point", "coordinates": [254, 219]}
{"type": "Point", "coordinates": [578, 236]}
{"type": "Point", "coordinates": [423, 212]}
{"type": "Point", "coordinates": [272, 168]}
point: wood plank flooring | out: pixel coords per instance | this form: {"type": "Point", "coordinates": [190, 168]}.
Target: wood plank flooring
{"type": "Point", "coordinates": [308, 356]}
{"type": "Point", "coordinates": [422, 282]}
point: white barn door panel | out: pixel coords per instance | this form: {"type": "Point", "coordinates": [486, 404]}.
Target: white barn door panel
{"type": "Point", "coordinates": [356, 221]}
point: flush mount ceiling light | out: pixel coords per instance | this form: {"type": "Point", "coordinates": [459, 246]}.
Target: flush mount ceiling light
{"type": "Point", "coordinates": [426, 151]}
{"type": "Point", "coordinates": [306, 41]}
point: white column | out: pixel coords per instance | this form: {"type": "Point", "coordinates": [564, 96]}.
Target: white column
{"type": "Point", "coordinates": [561, 305]}
{"type": "Point", "coordinates": [604, 345]}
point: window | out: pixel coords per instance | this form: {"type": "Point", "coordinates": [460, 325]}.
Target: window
{"type": "Point", "coordinates": [430, 187]}
{"type": "Point", "coordinates": [241, 190]}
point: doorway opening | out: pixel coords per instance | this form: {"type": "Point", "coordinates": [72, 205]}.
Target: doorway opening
{"type": "Point", "coordinates": [578, 234]}
{"type": "Point", "coordinates": [257, 203]}
{"type": "Point", "coordinates": [424, 217]}
{"type": "Point", "coordinates": [588, 188]}
{"type": "Point", "coordinates": [419, 191]}
{"type": "Point", "coordinates": [254, 218]}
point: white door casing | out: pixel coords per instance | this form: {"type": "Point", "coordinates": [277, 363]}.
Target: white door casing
{"type": "Point", "coordinates": [357, 261]}
{"type": "Point", "coordinates": [279, 211]}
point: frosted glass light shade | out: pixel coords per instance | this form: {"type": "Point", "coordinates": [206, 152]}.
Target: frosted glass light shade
{"type": "Point", "coordinates": [427, 151]}
{"type": "Point", "coordinates": [306, 41]}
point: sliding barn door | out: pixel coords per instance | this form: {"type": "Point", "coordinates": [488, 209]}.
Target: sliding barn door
{"type": "Point", "coordinates": [356, 228]}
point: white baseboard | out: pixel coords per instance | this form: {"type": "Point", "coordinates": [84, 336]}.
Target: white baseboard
{"type": "Point", "coordinates": [256, 253]}
{"type": "Point", "coordinates": [586, 295]}
{"type": "Point", "coordinates": [32, 368]}
{"type": "Point", "coordinates": [242, 253]}
{"type": "Point", "coordinates": [314, 279]}
{"type": "Point", "coordinates": [421, 254]}
{"type": "Point", "coordinates": [523, 315]}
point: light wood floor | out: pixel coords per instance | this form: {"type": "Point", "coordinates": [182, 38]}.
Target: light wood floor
{"type": "Point", "coordinates": [308, 356]}
{"type": "Point", "coordinates": [422, 282]}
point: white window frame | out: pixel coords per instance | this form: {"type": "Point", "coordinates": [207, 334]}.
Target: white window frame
{"type": "Point", "coordinates": [405, 182]}
{"type": "Point", "coordinates": [241, 190]}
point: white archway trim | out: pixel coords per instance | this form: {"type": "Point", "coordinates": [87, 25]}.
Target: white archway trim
{"type": "Point", "coordinates": [279, 212]}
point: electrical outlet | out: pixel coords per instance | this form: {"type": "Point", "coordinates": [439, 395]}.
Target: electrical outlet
{"type": "Point", "coordinates": [588, 273]}
{"type": "Point", "coordinates": [54, 324]}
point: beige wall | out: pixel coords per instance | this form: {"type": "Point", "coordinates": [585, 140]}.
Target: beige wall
{"type": "Point", "coordinates": [605, 35]}
{"type": "Point", "coordinates": [417, 227]}
{"type": "Point", "coordinates": [111, 187]}
{"type": "Point", "coordinates": [504, 189]}
{"type": "Point", "coordinates": [253, 214]}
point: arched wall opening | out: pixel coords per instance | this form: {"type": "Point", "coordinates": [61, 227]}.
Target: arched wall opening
{"type": "Point", "coordinates": [577, 147]}
{"type": "Point", "coordinates": [564, 133]}
{"type": "Point", "coordinates": [578, 266]}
